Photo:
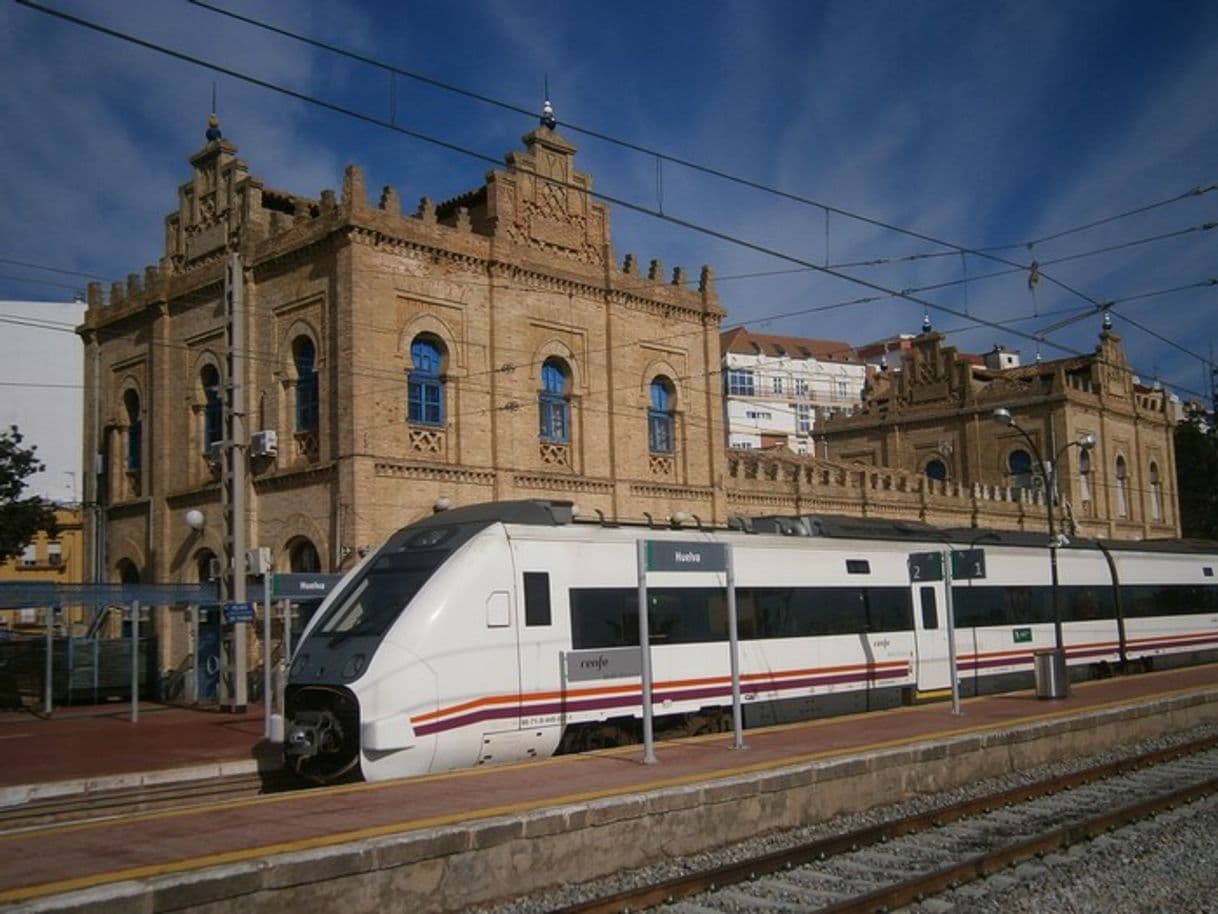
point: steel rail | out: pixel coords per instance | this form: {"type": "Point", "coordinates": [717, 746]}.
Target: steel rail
{"type": "Point", "coordinates": [820, 849]}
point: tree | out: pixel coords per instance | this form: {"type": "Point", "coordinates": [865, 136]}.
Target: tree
{"type": "Point", "coordinates": [20, 518]}
{"type": "Point", "coordinates": [1197, 477]}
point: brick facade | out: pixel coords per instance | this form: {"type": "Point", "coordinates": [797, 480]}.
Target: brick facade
{"type": "Point", "coordinates": [499, 281]}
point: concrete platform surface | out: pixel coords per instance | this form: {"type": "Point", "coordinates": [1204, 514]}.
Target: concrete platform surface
{"type": "Point", "coordinates": [78, 749]}
{"type": "Point", "coordinates": [445, 842]}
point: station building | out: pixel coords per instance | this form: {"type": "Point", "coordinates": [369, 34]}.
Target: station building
{"type": "Point", "coordinates": [326, 370]}
{"type": "Point", "coordinates": [487, 347]}
{"type": "Point", "coordinates": [935, 418]}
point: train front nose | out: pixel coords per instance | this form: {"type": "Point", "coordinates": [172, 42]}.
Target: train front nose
{"type": "Point", "coordinates": [322, 732]}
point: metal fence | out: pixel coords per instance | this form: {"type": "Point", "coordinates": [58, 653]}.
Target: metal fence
{"type": "Point", "coordinates": [82, 670]}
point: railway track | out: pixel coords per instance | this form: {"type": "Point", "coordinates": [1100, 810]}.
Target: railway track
{"type": "Point", "coordinates": [102, 804]}
{"type": "Point", "coordinates": [904, 861]}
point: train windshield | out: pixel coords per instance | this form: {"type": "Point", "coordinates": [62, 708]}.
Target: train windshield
{"type": "Point", "coordinates": [378, 596]}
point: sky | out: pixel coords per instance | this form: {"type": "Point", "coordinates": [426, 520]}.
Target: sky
{"type": "Point", "coordinates": [845, 168]}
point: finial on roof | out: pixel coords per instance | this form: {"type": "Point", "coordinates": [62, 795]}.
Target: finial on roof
{"type": "Point", "coordinates": [547, 110]}
{"type": "Point", "coordinates": [926, 322]}
{"type": "Point", "coordinates": [883, 363]}
{"type": "Point", "coordinates": [213, 122]}
{"type": "Point", "coordinates": [1107, 321]}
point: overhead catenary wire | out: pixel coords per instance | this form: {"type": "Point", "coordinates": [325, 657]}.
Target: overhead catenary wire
{"type": "Point", "coordinates": [705, 230]}
{"type": "Point", "coordinates": [661, 156]}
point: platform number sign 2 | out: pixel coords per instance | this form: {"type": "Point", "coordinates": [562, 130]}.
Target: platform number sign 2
{"type": "Point", "coordinates": [926, 566]}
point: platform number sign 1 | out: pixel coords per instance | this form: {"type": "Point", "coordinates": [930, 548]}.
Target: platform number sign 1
{"type": "Point", "coordinates": [968, 563]}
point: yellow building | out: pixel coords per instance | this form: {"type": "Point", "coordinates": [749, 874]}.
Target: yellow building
{"type": "Point", "coordinates": [327, 370]}
{"type": "Point", "coordinates": [60, 560]}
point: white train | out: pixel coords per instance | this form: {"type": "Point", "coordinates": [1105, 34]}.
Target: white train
{"type": "Point", "coordinates": [507, 631]}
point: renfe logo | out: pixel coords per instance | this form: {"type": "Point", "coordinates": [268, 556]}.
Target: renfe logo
{"type": "Point", "coordinates": [686, 557]}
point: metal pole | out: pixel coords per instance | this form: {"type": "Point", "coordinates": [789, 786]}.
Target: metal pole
{"type": "Point", "coordinates": [287, 631]}
{"type": "Point", "coordinates": [135, 661]}
{"type": "Point", "coordinates": [1054, 602]}
{"type": "Point", "coordinates": [266, 653]}
{"type": "Point", "coordinates": [192, 693]}
{"type": "Point", "coordinates": [233, 476]}
{"type": "Point", "coordinates": [950, 618]}
{"type": "Point", "coordinates": [649, 743]}
{"type": "Point", "coordinates": [46, 688]}
{"type": "Point", "coordinates": [733, 640]}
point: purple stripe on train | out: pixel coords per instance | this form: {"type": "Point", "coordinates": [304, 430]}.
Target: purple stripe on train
{"type": "Point", "coordinates": [631, 700]}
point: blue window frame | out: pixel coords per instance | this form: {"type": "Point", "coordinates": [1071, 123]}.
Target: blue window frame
{"type": "Point", "coordinates": [425, 388]}
{"type": "Point", "coordinates": [135, 430]}
{"type": "Point", "coordinates": [553, 404]}
{"type": "Point", "coordinates": [659, 418]}
{"type": "Point", "coordinates": [740, 383]}
{"type": "Point", "coordinates": [213, 406]}
{"type": "Point", "coordinates": [304, 353]}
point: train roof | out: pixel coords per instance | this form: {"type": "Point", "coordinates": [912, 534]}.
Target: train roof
{"type": "Point", "coordinates": [554, 513]}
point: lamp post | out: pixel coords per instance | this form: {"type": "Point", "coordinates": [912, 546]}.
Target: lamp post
{"type": "Point", "coordinates": [1086, 441]}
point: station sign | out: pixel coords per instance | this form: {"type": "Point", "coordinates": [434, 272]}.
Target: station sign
{"type": "Point", "coordinates": [301, 586]}
{"type": "Point", "coordinates": [967, 564]}
{"type": "Point", "coordinates": [926, 566]}
{"type": "Point", "coordinates": [670, 555]}
{"type": "Point", "coordinates": [235, 613]}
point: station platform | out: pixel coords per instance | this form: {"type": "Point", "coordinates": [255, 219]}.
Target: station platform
{"type": "Point", "coordinates": [450, 841]}
{"type": "Point", "coordinates": [97, 747]}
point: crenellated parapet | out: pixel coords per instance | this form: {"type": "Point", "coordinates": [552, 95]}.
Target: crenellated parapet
{"type": "Point", "coordinates": [757, 482]}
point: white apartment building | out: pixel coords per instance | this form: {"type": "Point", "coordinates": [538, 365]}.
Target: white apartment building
{"type": "Point", "coordinates": [776, 387]}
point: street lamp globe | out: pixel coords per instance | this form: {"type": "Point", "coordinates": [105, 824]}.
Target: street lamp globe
{"type": "Point", "coordinates": [1002, 416]}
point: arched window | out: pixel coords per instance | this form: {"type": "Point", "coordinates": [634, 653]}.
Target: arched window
{"type": "Point", "coordinates": [304, 355]}
{"type": "Point", "coordinates": [425, 387]}
{"type": "Point", "coordinates": [303, 557]}
{"type": "Point", "coordinates": [1122, 494]}
{"type": "Point", "coordinates": [207, 566]}
{"type": "Point", "coordinates": [135, 431]}
{"type": "Point", "coordinates": [554, 401]}
{"type": "Point", "coordinates": [660, 436]}
{"type": "Point", "coordinates": [936, 469]}
{"type": "Point", "coordinates": [1156, 493]}
{"type": "Point", "coordinates": [1019, 463]}
{"type": "Point", "coordinates": [213, 406]}
{"type": "Point", "coordinates": [128, 573]}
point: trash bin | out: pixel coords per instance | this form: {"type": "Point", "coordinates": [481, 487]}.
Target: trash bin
{"type": "Point", "coordinates": [1051, 676]}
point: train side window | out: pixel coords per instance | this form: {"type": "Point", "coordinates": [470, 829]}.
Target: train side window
{"type": "Point", "coordinates": [930, 609]}
{"type": "Point", "coordinates": [537, 598]}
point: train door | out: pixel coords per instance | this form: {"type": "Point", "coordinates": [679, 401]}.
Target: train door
{"type": "Point", "coordinates": [930, 636]}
